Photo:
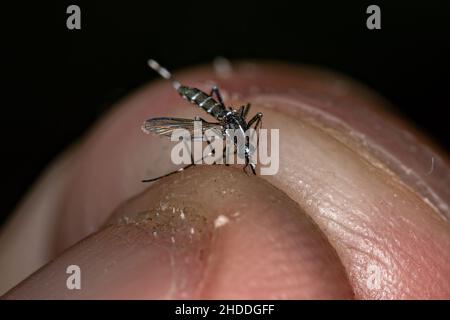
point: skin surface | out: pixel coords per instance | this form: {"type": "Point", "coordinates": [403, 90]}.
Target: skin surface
{"type": "Point", "coordinates": [355, 210]}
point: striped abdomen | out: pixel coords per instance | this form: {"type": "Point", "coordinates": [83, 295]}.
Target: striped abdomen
{"type": "Point", "coordinates": [203, 100]}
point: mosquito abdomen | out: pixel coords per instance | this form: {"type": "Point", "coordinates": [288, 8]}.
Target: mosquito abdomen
{"type": "Point", "coordinates": [203, 100]}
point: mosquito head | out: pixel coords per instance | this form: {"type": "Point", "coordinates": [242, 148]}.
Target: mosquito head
{"type": "Point", "coordinates": [163, 72]}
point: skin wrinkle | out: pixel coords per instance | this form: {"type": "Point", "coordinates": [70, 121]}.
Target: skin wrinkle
{"type": "Point", "coordinates": [315, 197]}
{"type": "Point", "coordinates": [321, 213]}
{"type": "Point", "coordinates": [361, 143]}
{"type": "Point", "coordinates": [255, 223]}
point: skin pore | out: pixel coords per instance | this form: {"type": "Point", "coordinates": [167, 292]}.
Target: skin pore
{"type": "Point", "coordinates": [353, 201]}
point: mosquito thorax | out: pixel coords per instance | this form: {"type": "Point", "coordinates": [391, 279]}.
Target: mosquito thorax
{"type": "Point", "coordinates": [233, 121]}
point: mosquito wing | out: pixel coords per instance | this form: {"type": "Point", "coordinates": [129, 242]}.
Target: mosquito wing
{"type": "Point", "coordinates": [166, 126]}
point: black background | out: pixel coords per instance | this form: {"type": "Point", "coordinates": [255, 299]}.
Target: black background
{"type": "Point", "coordinates": [59, 81]}
{"type": "Point", "coordinates": [284, 309]}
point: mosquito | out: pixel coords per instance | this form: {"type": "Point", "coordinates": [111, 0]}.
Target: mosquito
{"type": "Point", "coordinates": [212, 103]}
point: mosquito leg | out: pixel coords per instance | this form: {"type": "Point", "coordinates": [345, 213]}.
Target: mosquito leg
{"type": "Point", "coordinates": [170, 173]}
{"type": "Point", "coordinates": [225, 155]}
{"type": "Point", "coordinates": [246, 110]}
{"type": "Point", "coordinates": [257, 121]}
{"type": "Point", "coordinates": [247, 156]}
{"type": "Point", "coordinates": [248, 164]}
{"type": "Point", "coordinates": [241, 111]}
{"type": "Point", "coordinates": [193, 163]}
{"type": "Point", "coordinates": [215, 91]}
{"type": "Point", "coordinates": [247, 161]}
{"type": "Point", "coordinates": [257, 118]}
{"type": "Point", "coordinates": [190, 153]}
{"type": "Point", "coordinates": [213, 151]}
